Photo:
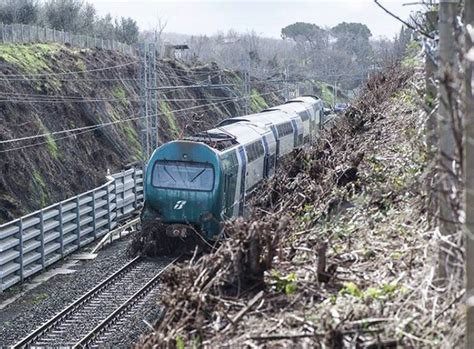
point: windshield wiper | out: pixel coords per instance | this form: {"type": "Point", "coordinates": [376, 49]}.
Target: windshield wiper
{"type": "Point", "coordinates": [169, 174]}
{"type": "Point", "coordinates": [196, 176]}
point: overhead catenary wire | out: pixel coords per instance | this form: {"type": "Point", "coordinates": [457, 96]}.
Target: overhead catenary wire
{"type": "Point", "coordinates": [31, 98]}
{"type": "Point", "coordinates": [42, 76]}
{"type": "Point", "coordinates": [96, 126]}
{"type": "Point", "coordinates": [75, 72]}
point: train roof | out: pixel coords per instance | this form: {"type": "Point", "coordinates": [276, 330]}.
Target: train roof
{"type": "Point", "coordinates": [306, 99]}
{"type": "Point", "coordinates": [225, 137]}
{"type": "Point", "coordinates": [275, 116]}
{"type": "Point", "coordinates": [261, 119]}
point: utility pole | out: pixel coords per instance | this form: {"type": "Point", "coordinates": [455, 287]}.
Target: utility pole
{"type": "Point", "coordinates": [143, 78]}
{"type": "Point", "coordinates": [335, 92]}
{"type": "Point", "coordinates": [148, 99]}
{"type": "Point", "coordinates": [246, 86]}
{"type": "Point", "coordinates": [286, 78]}
{"type": "Point", "coordinates": [446, 141]}
{"type": "Point", "coordinates": [152, 98]}
{"type": "Point", "coordinates": [469, 178]}
{"type": "Point", "coordinates": [431, 21]}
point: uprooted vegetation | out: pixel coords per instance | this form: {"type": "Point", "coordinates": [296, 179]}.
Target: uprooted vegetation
{"type": "Point", "coordinates": [338, 252]}
{"type": "Point", "coordinates": [48, 87]}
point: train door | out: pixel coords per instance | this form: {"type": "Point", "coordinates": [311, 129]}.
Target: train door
{"type": "Point", "coordinates": [277, 139]}
{"type": "Point", "coordinates": [266, 161]}
{"type": "Point", "coordinates": [243, 174]}
{"type": "Point", "coordinates": [298, 134]}
{"type": "Point", "coordinates": [231, 168]}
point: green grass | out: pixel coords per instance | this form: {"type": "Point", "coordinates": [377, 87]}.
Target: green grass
{"type": "Point", "coordinates": [133, 141]}
{"type": "Point", "coordinates": [51, 144]}
{"type": "Point", "coordinates": [327, 94]}
{"type": "Point", "coordinates": [40, 186]}
{"type": "Point", "coordinates": [170, 119]}
{"type": "Point", "coordinates": [33, 59]}
{"type": "Point", "coordinates": [257, 103]}
{"type": "Point", "coordinates": [81, 65]}
{"type": "Point", "coordinates": [120, 94]}
{"type": "Point", "coordinates": [411, 61]}
{"type": "Point", "coordinates": [39, 298]}
{"type": "Point", "coordinates": [30, 58]}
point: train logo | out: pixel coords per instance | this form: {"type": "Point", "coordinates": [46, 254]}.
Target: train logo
{"type": "Point", "coordinates": [180, 204]}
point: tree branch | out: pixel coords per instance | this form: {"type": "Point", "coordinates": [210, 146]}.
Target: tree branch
{"type": "Point", "coordinates": [422, 32]}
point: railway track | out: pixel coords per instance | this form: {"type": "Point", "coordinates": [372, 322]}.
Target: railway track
{"type": "Point", "coordinates": [89, 320]}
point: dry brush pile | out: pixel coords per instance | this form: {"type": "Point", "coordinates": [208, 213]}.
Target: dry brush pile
{"type": "Point", "coordinates": [337, 252]}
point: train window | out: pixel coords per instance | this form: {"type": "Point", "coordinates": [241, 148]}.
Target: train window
{"type": "Point", "coordinates": [284, 129]}
{"type": "Point", "coordinates": [183, 175]}
{"type": "Point", "coordinates": [229, 160]}
{"type": "Point", "coordinates": [254, 151]}
{"type": "Point", "coordinates": [260, 149]}
{"type": "Point", "coordinates": [304, 116]}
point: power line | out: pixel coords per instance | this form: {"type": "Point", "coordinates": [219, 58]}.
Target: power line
{"type": "Point", "coordinates": [59, 99]}
{"type": "Point", "coordinates": [96, 127]}
{"type": "Point", "coordinates": [72, 79]}
{"type": "Point", "coordinates": [50, 134]}
{"type": "Point", "coordinates": [74, 72]}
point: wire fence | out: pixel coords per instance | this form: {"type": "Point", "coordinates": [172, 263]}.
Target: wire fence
{"type": "Point", "coordinates": [33, 242]}
{"type": "Point", "coordinates": [24, 34]}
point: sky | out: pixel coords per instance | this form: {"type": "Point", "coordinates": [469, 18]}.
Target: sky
{"type": "Point", "coordinates": [265, 17]}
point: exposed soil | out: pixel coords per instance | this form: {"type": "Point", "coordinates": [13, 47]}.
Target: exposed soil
{"type": "Point", "coordinates": [339, 253]}
{"type": "Point", "coordinates": [38, 95]}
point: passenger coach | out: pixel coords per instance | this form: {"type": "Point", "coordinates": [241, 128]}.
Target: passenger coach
{"type": "Point", "coordinates": [200, 181]}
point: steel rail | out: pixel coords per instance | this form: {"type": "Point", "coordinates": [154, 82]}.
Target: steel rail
{"type": "Point", "coordinates": [111, 319]}
{"type": "Point", "coordinates": [29, 339]}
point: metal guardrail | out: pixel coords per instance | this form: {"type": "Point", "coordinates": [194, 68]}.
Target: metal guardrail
{"type": "Point", "coordinates": [24, 33]}
{"type": "Point", "coordinates": [33, 242]}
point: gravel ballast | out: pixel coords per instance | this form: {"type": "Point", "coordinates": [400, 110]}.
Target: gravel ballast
{"type": "Point", "coordinates": [39, 304]}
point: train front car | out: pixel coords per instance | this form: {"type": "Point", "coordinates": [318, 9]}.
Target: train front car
{"type": "Point", "coordinates": [182, 194]}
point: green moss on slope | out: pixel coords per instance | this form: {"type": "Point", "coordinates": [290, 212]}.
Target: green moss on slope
{"type": "Point", "coordinates": [257, 103]}
{"type": "Point", "coordinates": [31, 59]}
{"type": "Point", "coordinates": [170, 119]}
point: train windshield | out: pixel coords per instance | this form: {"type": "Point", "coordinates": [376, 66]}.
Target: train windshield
{"type": "Point", "coordinates": [183, 175]}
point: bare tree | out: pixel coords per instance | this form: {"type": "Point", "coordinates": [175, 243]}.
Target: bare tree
{"type": "Point", "coordinates": [446, 138]}
{"type": "Point", "coordinates": [469, 171]}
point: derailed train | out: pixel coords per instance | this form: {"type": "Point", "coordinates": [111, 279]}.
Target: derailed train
{"type": "Point", "coordinates": [197, 183]}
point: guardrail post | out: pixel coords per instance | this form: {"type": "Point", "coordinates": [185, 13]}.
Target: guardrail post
{"type": "Point", "coordinates": [109, 225]}
{"type": "Point", "coordinates": [20, 236]}
{"type": "Point", "coordinates": [42, 238]}
{"type": "Point", "coordinates": [123, 193]}
{"type": "Point", "coordinates": [93, 216]}
{"type": "Point", "coordinates": [143, 182]}
{"type": "Point", "coordinates": [61, 230]}
{"type": "Point", "coordinates": [78, 222]}
{"type": "Point", "coordinates": [134, 176]}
